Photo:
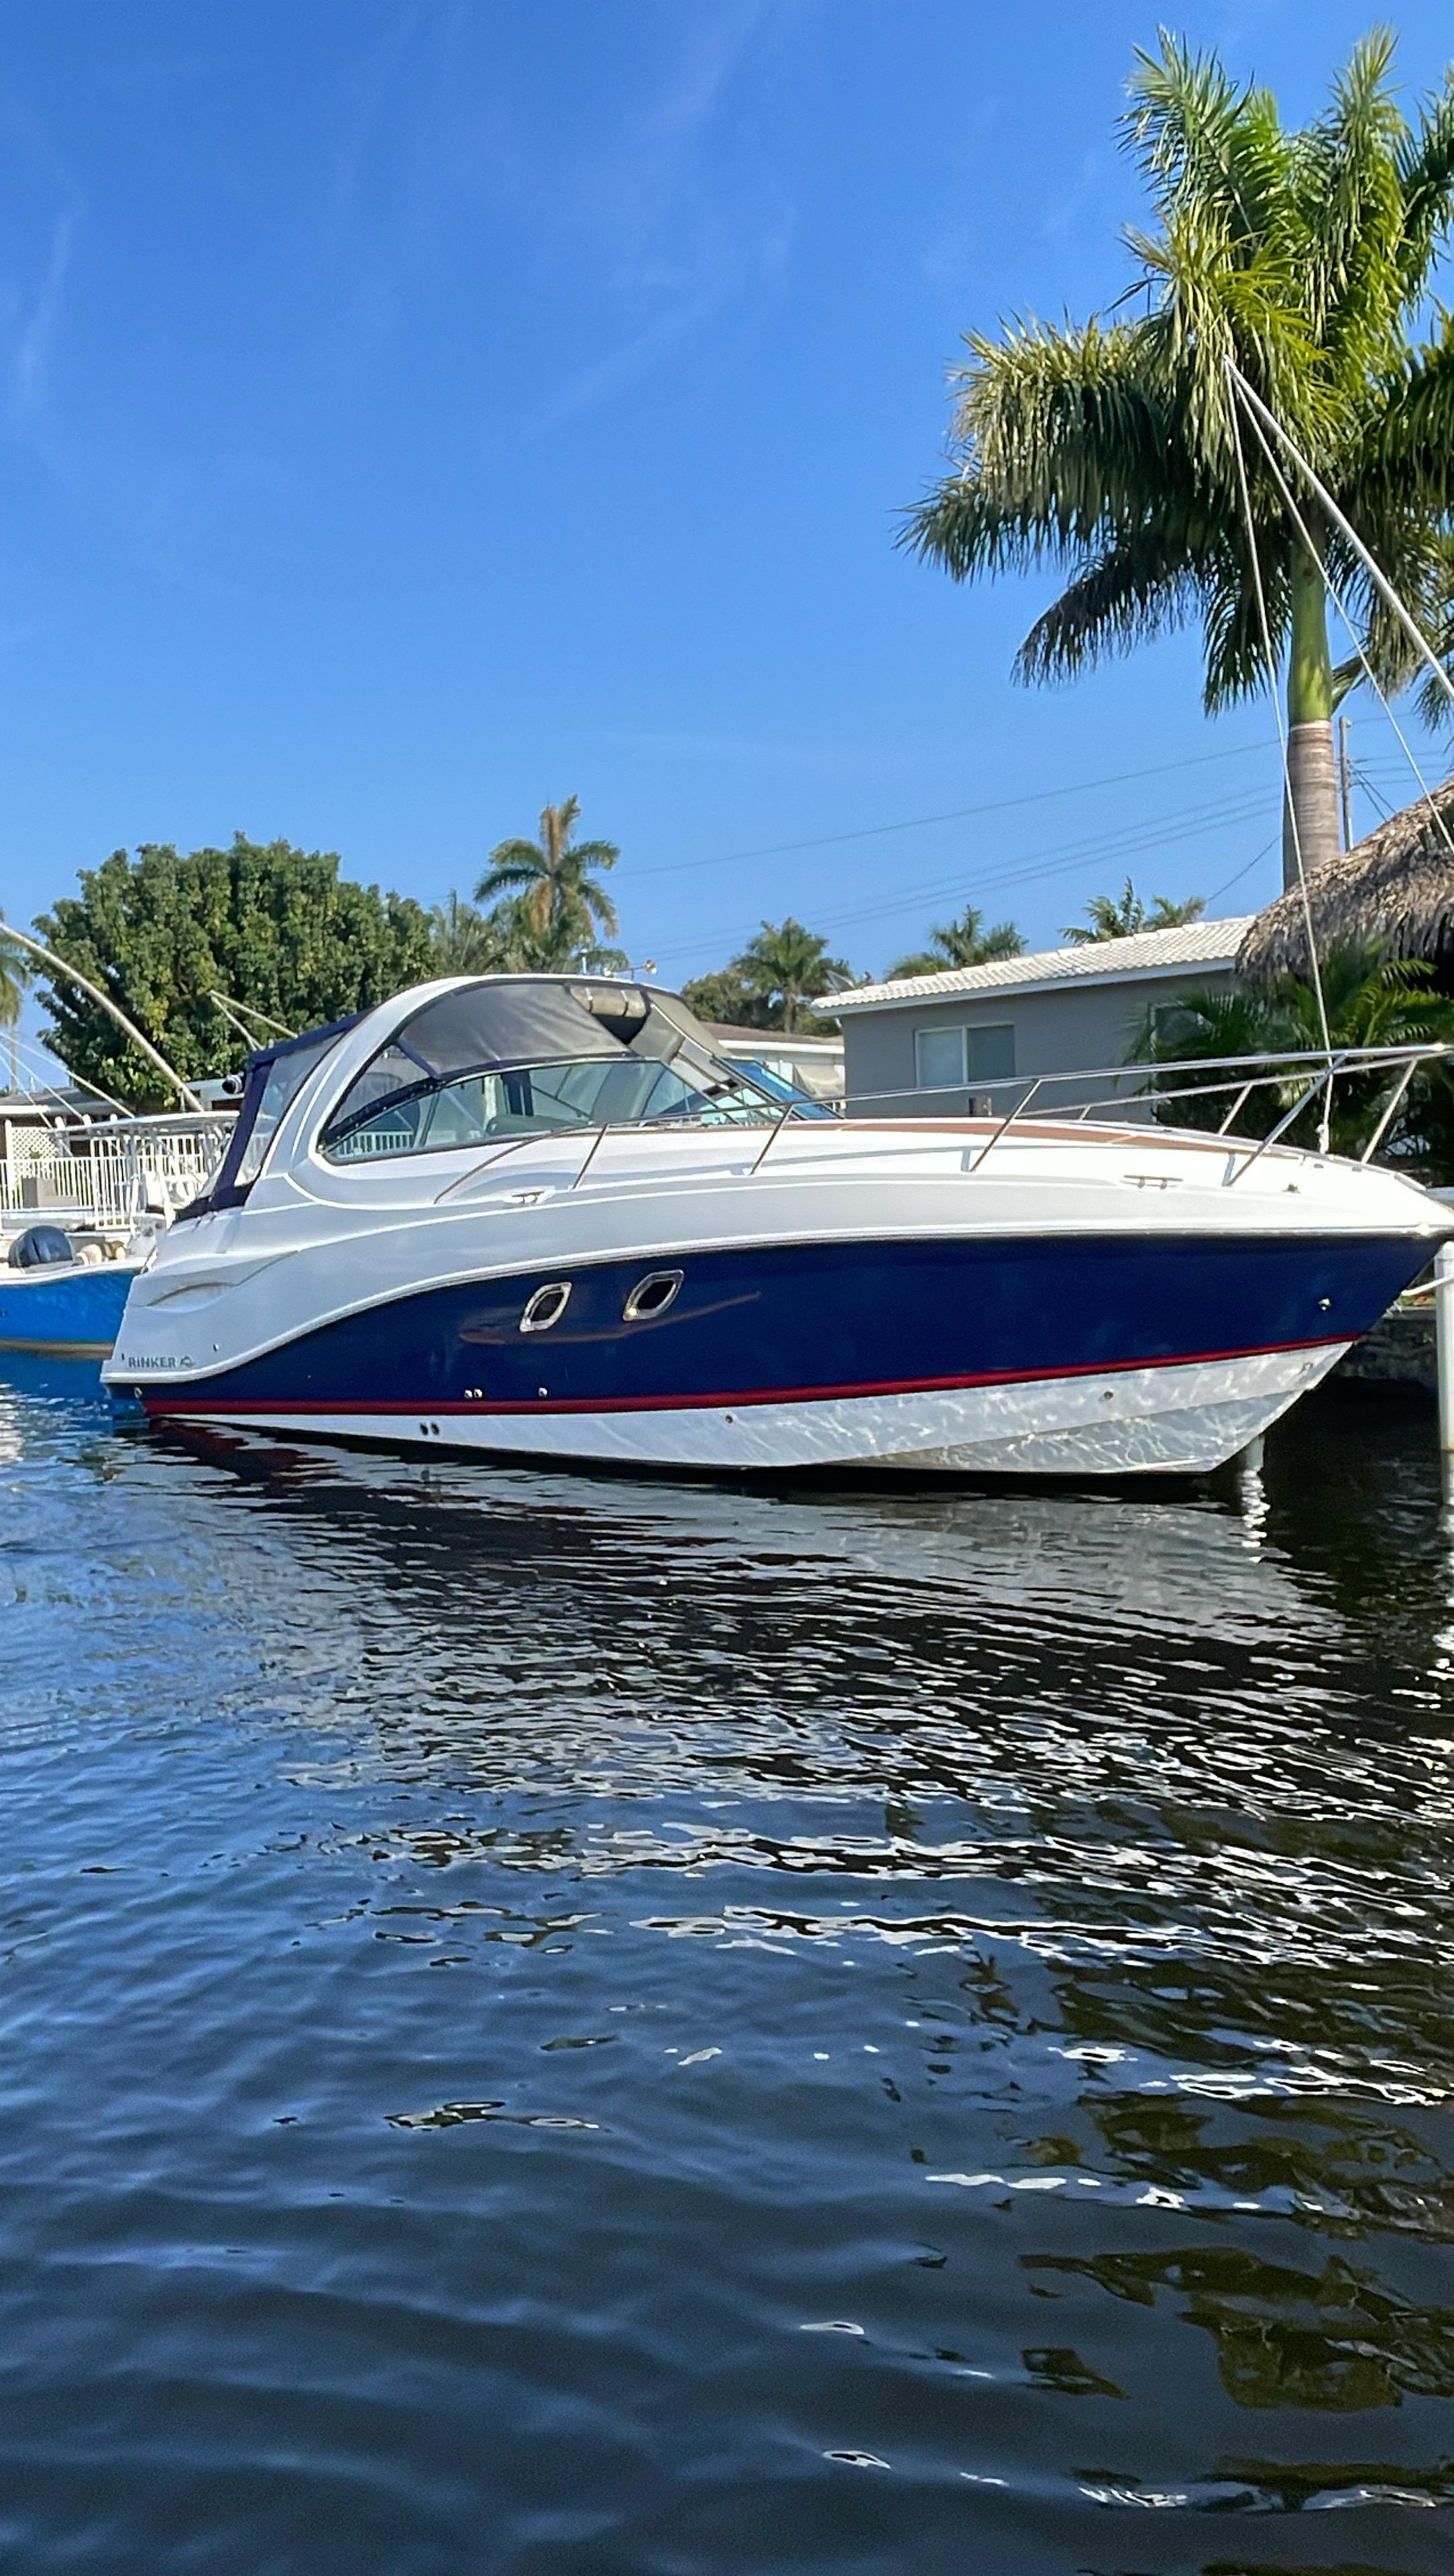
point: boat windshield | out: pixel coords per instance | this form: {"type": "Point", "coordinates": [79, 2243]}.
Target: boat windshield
{"type": "Point", "coordinates": [273, 1079]}
{"type": "Point", "coordinates": [524, 1057]}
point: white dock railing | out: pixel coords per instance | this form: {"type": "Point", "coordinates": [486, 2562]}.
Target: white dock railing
{"type": "Point", "coordinates": [106, 1173]}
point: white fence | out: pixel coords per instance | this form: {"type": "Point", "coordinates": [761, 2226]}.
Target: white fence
{"type": "Point", "coordinates": [109, 1173]}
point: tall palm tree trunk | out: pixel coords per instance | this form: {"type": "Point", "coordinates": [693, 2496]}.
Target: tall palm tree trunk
{"type": "Point", "coordinates": [1311, 799]}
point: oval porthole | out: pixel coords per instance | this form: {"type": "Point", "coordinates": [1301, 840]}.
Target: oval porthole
{"type": "Point", "coordinates": [651, 1296]}
{"type": "Point", "coordinates": [546, 1307]}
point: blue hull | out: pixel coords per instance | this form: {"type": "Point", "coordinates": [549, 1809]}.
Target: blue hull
{"type": "Point", "coordinates": [63, 1309]}
{"type": "Point", "coordinates": [791, 1322]}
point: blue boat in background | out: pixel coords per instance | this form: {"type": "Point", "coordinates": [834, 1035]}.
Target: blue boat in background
{"type": "Point", "coordinates": [52, 1301]}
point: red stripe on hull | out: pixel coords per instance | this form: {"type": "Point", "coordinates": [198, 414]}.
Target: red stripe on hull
{"type": "Point", "coordinates": [482, 1407]}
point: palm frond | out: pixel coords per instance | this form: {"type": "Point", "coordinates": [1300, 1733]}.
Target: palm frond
{"type": "Point", "coordinates": [1235, 664]}
{"type": "Point", "coordinates": [596, 906]}
{"type": "Point", "coordinates": [513, 866]}
{"type": "Point", "coordinates": [965, 942]}
{"type": "Point", "coordinates": [1406, 454]}
{"type": "Point", "coordinates": [1058, 437]}
{"type": "Point", "coordinates": [15, 973]}
{"type": "Point", "coordinates": [1426, 175]}
{"type": "Point", "coordinates": [1200, 137]}
{"type": "Point", "coordinates": [1121, 598]}
{"type": "Point", "coordinates": [1350, 200]}
{"type": "Point", "coordinates": [1108, 916]}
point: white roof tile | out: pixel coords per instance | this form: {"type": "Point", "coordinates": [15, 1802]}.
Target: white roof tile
{"type": "Point", "coordinates": [1104, 961]}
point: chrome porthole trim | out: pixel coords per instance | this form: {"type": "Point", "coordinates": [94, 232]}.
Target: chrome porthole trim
{"type": "Point", "coordinates": [545, 1306]}
{"type": "Point", "coordinates": [651, 1296]}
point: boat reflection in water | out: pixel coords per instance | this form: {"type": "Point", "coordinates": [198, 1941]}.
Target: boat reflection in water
{"type": "Point", "coordinates": [540, 1214]}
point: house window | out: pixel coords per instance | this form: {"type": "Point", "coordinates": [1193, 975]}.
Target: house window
{"type": "Point", "coordinates": [938, 1059]}
{"type": "Point", "coordinates": [946, 1059]}
{"type": "Point", "coordinates": [991, 1052]}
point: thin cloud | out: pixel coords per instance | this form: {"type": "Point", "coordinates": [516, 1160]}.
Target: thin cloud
{"type": "Point", "coordinates": [671, 245]}
{"type": "Point", "coordinates": [36, 325]}
{"type": "Point", "coordinates": [374, 83]}
{"type": "Point", "coordinates": [48, 209]}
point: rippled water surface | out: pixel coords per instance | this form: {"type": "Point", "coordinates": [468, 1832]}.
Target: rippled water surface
{"type": "Point", "coordinates": [590, 2027]}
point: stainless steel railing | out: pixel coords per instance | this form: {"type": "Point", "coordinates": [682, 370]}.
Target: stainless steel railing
{"type": "Point", "coordinates": [1143, 1092]}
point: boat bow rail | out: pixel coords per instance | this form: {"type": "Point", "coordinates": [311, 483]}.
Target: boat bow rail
{"type": "Point", "coordinates": [1296, 1083]}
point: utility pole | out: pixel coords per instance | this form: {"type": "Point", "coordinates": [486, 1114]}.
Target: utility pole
{"type": "Point", "coordinates": [1345, 783]}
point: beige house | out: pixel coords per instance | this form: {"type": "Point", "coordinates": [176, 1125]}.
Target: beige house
{"type": "Point", "coordinates": [976, 1037]}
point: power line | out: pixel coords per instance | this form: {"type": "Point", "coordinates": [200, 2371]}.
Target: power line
{"type": "Point", "coordinates": [1129, 843]}
{"type": "Point", "coordinates": [959, 814]}
{"type": "Point", "coordinates": [1264, 853]}
{"type": "Point", "coordinates": [1191, 823]}
{"type": "Point", "coordinates": [1165, 831]}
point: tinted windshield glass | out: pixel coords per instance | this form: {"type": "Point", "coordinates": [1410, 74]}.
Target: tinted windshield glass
{"type": "Point", "coordinates": [282, 1083]}
{"type": "Point", "coordinates": [274, 1080]}
{"type": "Point", "coordinates": [589, 1091]}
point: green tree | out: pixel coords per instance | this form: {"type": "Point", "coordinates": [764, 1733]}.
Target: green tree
{"type": "Point", "coordinates": [1108, 449]}
{"type": "Point", "coordinates": [1372, 1000]}
{"type": "Point", "coordinates": [727, 998]}
{"type": "Point", "coordinates": [1110, 916]}
{"type": "Point", "coordinates": [272, 926]}
{"type": "Point", "coordinates": [463, 941]}
{"type": "Point", "coordinates": [15, 973]}
{"type": "Point", "coordinates": [786, 966]}
{"type": "Point", "coordinates": [563, 908]}
{"type": "Point", "coordinates": [964, 942]}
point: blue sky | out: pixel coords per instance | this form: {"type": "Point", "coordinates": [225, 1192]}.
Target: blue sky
{"type": "Point", "coordinates": [415, 412]}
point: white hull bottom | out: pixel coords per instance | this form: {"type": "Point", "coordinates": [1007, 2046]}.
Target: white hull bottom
{"type": "Point", "coordinates": [1149, 1421]}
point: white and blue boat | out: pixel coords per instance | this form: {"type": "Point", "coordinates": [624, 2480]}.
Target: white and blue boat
{"type": "Point", "coordinates": [541, 1215]}
{"type": "Point", "coordinates": [53, 1300]}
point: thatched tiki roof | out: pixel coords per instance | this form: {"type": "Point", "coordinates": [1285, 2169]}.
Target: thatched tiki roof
{"type": "Point", "coordinates": [1395, 887]}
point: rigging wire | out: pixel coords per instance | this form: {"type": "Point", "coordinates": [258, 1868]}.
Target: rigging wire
{"type": "Point", "coordinates": [232, 1012]}
{"type": "Point", "coordinates": [32, 1059]}
{"type": "Point", "coordinates": [1368, 670]}
{"type": "Point", "coordinates": [60, 966]}
{"type": "Point", "coordinates": [1235, 380]}
{"type": "Point", "coordinates": [1345, 527]}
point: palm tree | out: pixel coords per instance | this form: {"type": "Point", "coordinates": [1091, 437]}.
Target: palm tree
{"type": "Point", "coordinates": [15, 974]}
{"type": "Point", "coordinates": [1110, 916]}
{"type": "Point", "coordinates": [964, 942]}
{"type": "Point", "coordinates": [562, 905]}
{"type": "Point", "coordinates": [465, 942]}
{"type": "Point", "coordinates": [1110, 449]}
{"type": "Point", "coordinates": [1372, 1000]}
{"type": "Point", "coordinates": [785, 966]}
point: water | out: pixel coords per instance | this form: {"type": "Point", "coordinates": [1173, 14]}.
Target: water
{"type": "Point", "coordinates": [578, 2028]}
